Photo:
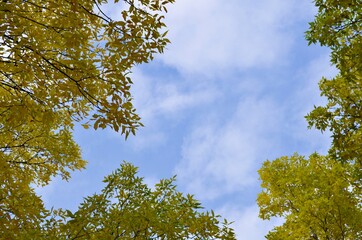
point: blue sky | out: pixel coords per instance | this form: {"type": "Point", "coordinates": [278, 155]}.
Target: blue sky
{"type": "Point", "coordinates": [230, 92]}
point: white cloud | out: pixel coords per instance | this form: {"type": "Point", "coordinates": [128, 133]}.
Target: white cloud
{"type": "Point", "coordinates": [169, 98]}
{"type": "Point", "coordinates": [223, 152]}
{"type": "Point", "coordinates": [158, 98]}
{"type": "Point", "coordinates": [214, 37]}
{"type": "Point", "coordinates": [247, 224]}
{"type": "Point", "coordinates": [221, 157]}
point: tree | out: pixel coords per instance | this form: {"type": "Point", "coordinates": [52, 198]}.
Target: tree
{"type": "Point", "coordinates": [63, 62]}
{"type": "Point", "coordinates": [338, 25]}
{"type": "Point", "coordinates": [66, 61]}
{"type": "Point", "coordinates": [128, 209]}
{"type": "Point", "coordinates": [320, 197]}
{"type": "Point", "coordinates": [314, 196]}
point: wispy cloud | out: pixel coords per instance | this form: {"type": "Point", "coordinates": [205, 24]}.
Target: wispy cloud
{"type": "Point", "coordinates": [247, 224]}
{"type": "Point", "coordinates": [220, 156]}
{"type": "Point", "coordinates": [223, 151]}
{"type": "Point", "coordinates": [213, 37]}
{"type": "Point", "coordinates": [157, 96]}
{"type": "Point", "coordinates": [160, 98]}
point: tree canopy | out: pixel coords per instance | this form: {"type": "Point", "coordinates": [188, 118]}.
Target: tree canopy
{"type": "Point", "coordinates": [63, 62]}
{"type": "Point", "coordinates": [127, 208]}
{"type": "Point", "coordinates": [66, 61]}
{"type": "Point", "coordinates": [338, 25]}
{"type": "Point", "coordinates": [320, 197]}
{"type": "Point", "coordinates": [314, 196]}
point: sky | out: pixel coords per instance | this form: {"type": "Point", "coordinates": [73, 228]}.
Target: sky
{"type": "Point", "coordinates": [230, 92]}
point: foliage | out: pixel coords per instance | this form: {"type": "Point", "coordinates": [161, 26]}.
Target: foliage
{"type": "Point", "coordinates": [21, 210]}
{"type": "Point", "coordinates": [63, 61]}
{"type": "Point", "coordinates": [314, 195]}
{"type": "Point", "coordinates": [128, 209]}
{"type": "Point", "coordinates": [338, 25]}
{"type": "Point", "coordinates": [320, 197]}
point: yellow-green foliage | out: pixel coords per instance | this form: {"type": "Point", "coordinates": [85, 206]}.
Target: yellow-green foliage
{"type": "Point", "coordinates": [338, 25]}
{"type": "Point", "coordinates": [319, 197]}
{"type": "Point", "coordinates": [128, 209]}
{"type": "Point", "coordinates": [63, 61]}
{"type": "Point", "coordinates": [60, 62]}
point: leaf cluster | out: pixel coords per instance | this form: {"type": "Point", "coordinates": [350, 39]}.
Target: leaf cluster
{"type": "Point", "coordinates": [63, 62]}
{"type": "Point", "coordinates": [338, 25]}
{"type": "Point", "coordinates": [318, 197]}
{"type": "Point", "coordinates": [128, 209]}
